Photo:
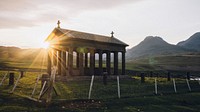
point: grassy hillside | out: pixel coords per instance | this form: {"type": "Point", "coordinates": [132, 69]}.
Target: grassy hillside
{"type": "Point", "coordinates": [13, 57]}
{"type": "Point", "coordinates": [189, 62]}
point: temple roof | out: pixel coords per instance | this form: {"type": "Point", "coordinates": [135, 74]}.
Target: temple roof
{"type": "Point", "coordinates": [69, 34]}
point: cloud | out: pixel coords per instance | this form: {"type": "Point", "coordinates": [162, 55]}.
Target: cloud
{"type": "Point", "coordinates": [26, 13]}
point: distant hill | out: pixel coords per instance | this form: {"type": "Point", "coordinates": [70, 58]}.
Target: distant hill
{"type": "Point", "coordinates": [192, 43]}
{"type": "Point", "coordinates": [14, 57]}
{"type": "Point", "coordinates": [153, 46]}
{"type": "Point", "coordinates": [18, 53]}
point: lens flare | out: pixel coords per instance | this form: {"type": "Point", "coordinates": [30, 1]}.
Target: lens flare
{"type": "Point", "coordinates": [45, 45]}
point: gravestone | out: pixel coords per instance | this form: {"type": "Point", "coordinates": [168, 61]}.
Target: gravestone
{"type": "Point", "coordinates": [168, 76]}
{"type": "Point", "coordinates": [142, 78]}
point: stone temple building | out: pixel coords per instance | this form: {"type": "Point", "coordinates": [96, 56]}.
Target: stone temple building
{"type": "Point", "coordinates": [73, 52]}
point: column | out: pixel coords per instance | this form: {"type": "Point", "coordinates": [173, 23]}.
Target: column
{"type": "Point", "coordinates": [54, 57]}
{"type": "Point", "coordinates": [77, 59]}
{"type": "Point", "coordinates": [92, 63]}
{"type": "Point", "coordinates": [70, 61]}
{"type": "Point", "coordinates": [67, 57]}
{"type": "Point", "coordinates": [100, 63]}
{"type": "Point", "coordinates": [115, 63]}
{"type": "Point", "coordinates": [59, 62]}
{"type": "Point", "coordinates": [49, 62]}
{"type": "Point", "coordinates": [81, 64]}
{"type": "Point", "coordinates": [63, 63]}
{"type": "Point", "coordinates": [108, 62]}
{"type": "Point", "coordinates": [86, 60]}
{"type": "Point", "coordinates": [123, 63]}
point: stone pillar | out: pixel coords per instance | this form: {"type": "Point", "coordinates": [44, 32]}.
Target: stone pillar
{"type": "Point", "coordinates": [123, 63]}
{"type": "Point", "coordinates": [86, 60]}
{"type": "Point", "coordinates": [70, 61]}
{"type": "Point", "coordinates": [115, 63]}
{"type": "Point", "coordinates": [54, 57]}
{"type": "Point", "coordinates": [100, 63]}
{"type": "Point", "coordinates": [67, 57]}
{"type": "Point", "coordinates": [63, 63]}
{"type": "Point", "coordinates": [81, 64]}
{"type": "Point", "coordinates": [49, 62]}
{"type": "Point", "coordinates": [108, 62]}
{"type": "Point", "coordinates": [92, 61]}
{"type": "Point", "coordinates": [77, 59]}
{"type": "Point", "coordinates": [59, 62]}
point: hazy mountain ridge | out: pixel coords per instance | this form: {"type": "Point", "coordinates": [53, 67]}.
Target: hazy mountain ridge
{"type": "Point", "coordinates": [191, 43]}
{"type": "Point", "coordinates": [154, 46]}
{"type": "Point", "coordinates": [18, 53]}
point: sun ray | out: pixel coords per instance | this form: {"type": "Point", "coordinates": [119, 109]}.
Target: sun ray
{"type": "Point", "coordinates": [39, 61]}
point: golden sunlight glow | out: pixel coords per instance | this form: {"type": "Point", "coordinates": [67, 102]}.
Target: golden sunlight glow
{"type": "Point", "coordinates": [45, 45]}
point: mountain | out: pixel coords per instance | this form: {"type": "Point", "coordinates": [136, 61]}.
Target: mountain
{"type": "Point", "coordinates": [192, 43]}
{"type": "Point", "coordinates": [14, 57]}
{"type": "Point", "coordinates": [153, 46]}
{"type": "Point", "coordinates": [18, 53]}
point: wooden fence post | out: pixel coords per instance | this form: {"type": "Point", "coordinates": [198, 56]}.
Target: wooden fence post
{"type": "Point", "coordinates": [188, 84]}
{"type": "Point", "coordinates": [45, 77]}
{"type": "Point", "coordinates": [156, 86]}
{"type": "Point", "coordinates": [188, 75]}
{"type": "Point", "coordinates": [118, 87]}
{"type": "Point", "coordinates": [174, 83]}
{"type": "Point", "coordinates": [11, 78]}
{"type": "Point", "coordinates": [22, 74]}
{"type": "Point", "coordinates": [91, 84]}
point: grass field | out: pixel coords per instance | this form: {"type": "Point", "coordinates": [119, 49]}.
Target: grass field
{"type": "Point", "coordinates": [171, 62]}
{"type": "Point", "coordinates": [135, 96]}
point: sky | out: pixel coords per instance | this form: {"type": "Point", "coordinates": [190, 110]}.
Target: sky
{"type": "Point", "coordinates": [26, 23]}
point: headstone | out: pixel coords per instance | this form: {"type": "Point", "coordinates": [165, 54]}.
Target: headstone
{"type": "Point", "coordinates": [168, 76]}
{"type": "Point", "coordinates": [157, 75]}
{"type": "Point", "coordinates": [11, 78]}
{"type": "Point", "coordinates": [142, 77]}
{"type": "Point", "coordinates": [151, 74]}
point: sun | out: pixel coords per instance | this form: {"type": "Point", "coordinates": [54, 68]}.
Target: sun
{"type": "Point", "coordinates": [45, 45]}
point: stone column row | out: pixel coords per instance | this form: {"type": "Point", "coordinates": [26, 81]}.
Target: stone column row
{"type": "Point", "coordinates": [59, 59]}
{"type": "Point", "coordinates": [108, 62]}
